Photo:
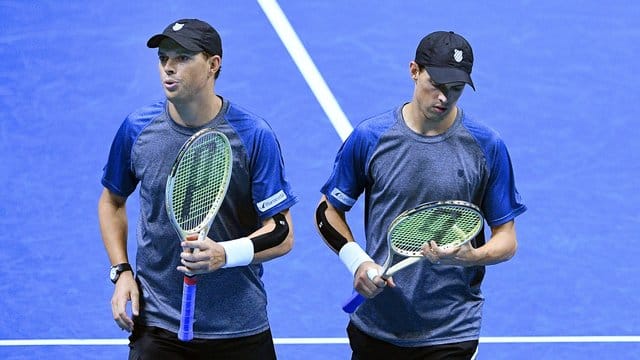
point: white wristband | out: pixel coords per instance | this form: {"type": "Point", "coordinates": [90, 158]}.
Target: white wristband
{"type": "Point", "coordinates": [239, 252]}
{"type": "Point", "coordinates": [352, 256]}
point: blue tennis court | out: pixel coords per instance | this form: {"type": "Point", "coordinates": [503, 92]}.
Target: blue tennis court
{"type": "Point", "coordinates": [557, 79]}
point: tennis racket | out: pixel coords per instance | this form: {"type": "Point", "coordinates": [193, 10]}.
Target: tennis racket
{"type": "Point", "coordinates": [448, 223]}
{"type": "Point", "coordinates": [195, 189]}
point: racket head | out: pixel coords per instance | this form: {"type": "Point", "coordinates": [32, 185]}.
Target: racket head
{"type": "Point", "coordinates": [449, 223]}
{"type": "Point", "coordinates": [198, 181]}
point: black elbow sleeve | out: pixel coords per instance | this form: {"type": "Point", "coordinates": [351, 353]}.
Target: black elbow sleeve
{"type": "Point", "coordinates": [333, 238]}
{"type": "Point", "coordinates": [273, 238]}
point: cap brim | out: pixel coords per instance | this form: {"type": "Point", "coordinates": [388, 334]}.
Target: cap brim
{"type": "Point", "coordinates": [155, 41]}
{"type": "Point", "coordinates": [448, 75]}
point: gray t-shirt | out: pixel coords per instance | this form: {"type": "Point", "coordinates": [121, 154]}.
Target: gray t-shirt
{"type": "Point", "coordinates": [398, 169]}
{"type": "Point", "coordinates": [229, 302]}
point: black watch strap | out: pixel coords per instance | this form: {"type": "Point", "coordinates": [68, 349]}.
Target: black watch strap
{"type": "Point", "coordinates": [118, 269]}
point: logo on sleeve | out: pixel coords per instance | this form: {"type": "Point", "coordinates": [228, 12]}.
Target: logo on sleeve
{"type": "Point", "coordinates": [342, 197]}
{"type": "Point", "coordinates": [272, 201]}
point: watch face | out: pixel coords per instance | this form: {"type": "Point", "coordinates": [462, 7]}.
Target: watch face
{"type": "Point", "coordinates": [113, 273]}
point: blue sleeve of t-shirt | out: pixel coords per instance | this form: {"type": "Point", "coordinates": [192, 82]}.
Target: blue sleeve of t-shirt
{"type": "Point", "coordinates": [502, 201]}
{"type": "Point", "coordinates": [118, 175]}
{"type": "Point", "coordinates": [349, 177]}
{"type": "Point", "coordinates": [271, 190]}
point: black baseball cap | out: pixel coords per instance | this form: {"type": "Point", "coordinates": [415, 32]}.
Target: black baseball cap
{"type": "Point", "coordinates": [447, 57]}
{"type": "Point", "coordinates": [191, 34]}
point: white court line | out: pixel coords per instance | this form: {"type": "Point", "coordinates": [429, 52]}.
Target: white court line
{"type": "Point", "coordinates": [330, 341]}
{"type": "Point", "coordinates": [306, 66]}
{"type": "Point", "coordinates": [558, 339]}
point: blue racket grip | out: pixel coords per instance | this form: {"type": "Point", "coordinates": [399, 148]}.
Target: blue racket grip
{"type": "Point", "coordinates": [185, 333]}
{"type": "Point", "coordinates": [354, 301]}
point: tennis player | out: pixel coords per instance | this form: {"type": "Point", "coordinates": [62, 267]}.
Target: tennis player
{"type": "Point", "coordinates": [424, 150]}
{"type": "Point", "coordinates": [230, 314]}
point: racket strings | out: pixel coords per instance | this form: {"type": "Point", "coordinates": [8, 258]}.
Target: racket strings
{"type": "Point", "coordinates": [200, 180]}
{"type": "Point", "coordinates": [448, 226]}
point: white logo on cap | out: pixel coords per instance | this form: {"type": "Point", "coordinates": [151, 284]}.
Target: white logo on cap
{"type": "Point", "coordinates": [457, 55]}
{"type": "Point", "coordinates": [177, 26]}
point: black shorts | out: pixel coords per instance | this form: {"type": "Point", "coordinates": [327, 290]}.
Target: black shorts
{"type": "Point", "coordinates": [154, 343]}
{"type": "Point", "coordinates": [365, 347]}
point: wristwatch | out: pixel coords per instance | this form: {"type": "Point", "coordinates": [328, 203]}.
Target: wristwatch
{"type": "Point", "coordinates": [116, 270]}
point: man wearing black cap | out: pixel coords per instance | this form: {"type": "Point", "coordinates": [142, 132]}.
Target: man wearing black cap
{"type": "Point", "coordinates": [425, 150]}
{"type": "Point", "coordinates": [252, 226]}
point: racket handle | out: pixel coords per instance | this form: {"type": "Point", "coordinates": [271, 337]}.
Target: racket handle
{"type": "Point", "coordinates": [354, 301]}
{"type": "Point", "coordinates": [185, 333]}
